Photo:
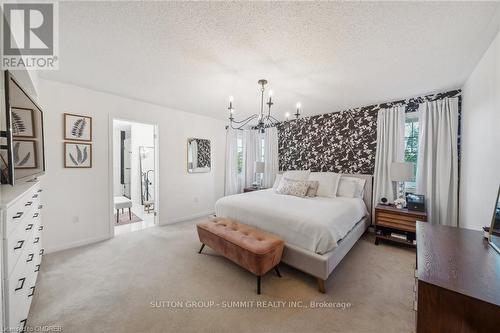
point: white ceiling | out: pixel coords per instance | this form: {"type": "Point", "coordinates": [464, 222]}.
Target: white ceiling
{"type": "Point", "coordinates": [329, 56]}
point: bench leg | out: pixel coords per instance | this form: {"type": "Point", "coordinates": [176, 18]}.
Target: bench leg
{"type": "Point", "coordinates": [129, 214]}
{"type": "Point", "coordinates": [321, 285]}
{"type": "Point", "coordinates": [117, 215]}
{"type": "Point", "coordinates": [258, 285]}
{"type": "Point", "coordinates": [201, 248]}
{"type": "Point", "coordinates": [277, 271]}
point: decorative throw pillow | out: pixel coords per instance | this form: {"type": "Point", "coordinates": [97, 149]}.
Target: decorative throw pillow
{"type": "Point", "coordinates": [351, 187]}
{"type": "Point", "coordinates": [313, 188]}
{"type": "Point", "coordinates": [293, 187]}
{"type": "Point", "coordinates": [328, 183]}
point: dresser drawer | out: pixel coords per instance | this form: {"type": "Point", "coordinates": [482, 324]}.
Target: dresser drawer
{"type": "Point", "coordinates": [17, 213]}
{"type": "Point", "coordinates": [20, 241]}
{"type": "Point", "coordinates": [402, 222]}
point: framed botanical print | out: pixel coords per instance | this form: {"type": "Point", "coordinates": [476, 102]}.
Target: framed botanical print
{"type": "Point", "coordinates": [77, 127]}
{"type": "Point", "coordinates": [24, 154]}
{"type": "Point", "coordinates": [77, 155]}
{"type": "Point", "coordinates": [22, 122]}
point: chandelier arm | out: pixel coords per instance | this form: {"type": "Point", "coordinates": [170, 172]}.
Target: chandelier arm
{"type": "Point", "coordinates": [246, 119]}
{"type": "Point", "coordinates": [274, 119]}
{"type": "Point", "coordinates": [243, 123]}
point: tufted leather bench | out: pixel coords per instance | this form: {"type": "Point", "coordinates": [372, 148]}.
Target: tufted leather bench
{"type": "Point", "coordinates": [252, 249]}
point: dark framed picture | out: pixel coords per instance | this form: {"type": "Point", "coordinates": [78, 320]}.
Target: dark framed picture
{"type": "Point", "coordinates": [77, 127]}
{"type": "Point", "coordinates": [77, 155]}
{"type": "Point", "coordinates": [22, 120]}
{"type": "Point", "coordinates": [24, 154]}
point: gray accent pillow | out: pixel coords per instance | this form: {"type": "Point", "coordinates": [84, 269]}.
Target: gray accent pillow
{"type": "Point", "coordinates": [313, 188]}
{"type": "Point", "coordinates": [293, 187]}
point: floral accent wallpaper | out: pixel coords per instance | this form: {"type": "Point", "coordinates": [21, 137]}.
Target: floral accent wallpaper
{"type": "Point", "coordinates": [343, 142]}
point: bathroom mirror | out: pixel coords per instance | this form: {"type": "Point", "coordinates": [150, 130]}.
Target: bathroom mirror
{"type": "Point", "coordinates": [147, 166]}
{"type": "Point", "coordinates": [494, 237]}
{"type": "Point", "coordinates": [198, 155]}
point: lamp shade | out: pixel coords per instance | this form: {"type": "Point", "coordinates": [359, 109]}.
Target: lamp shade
{"type": "Point", "coordinates": [401, 172]}
{"type": "Point", "coordinates": [259, 167]}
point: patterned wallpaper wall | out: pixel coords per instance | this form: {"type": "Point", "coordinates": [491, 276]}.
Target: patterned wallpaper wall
{"type": "Point", "coordinates": [343, 141]}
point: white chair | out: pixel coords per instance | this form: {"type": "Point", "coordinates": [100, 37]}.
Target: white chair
{"type": "Point", "coordinates": [122, 203]}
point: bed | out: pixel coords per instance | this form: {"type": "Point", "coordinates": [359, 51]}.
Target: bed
{"type": "Point", "coordinates": [318, 232]}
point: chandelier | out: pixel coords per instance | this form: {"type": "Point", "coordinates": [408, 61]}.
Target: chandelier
{"type": "Point", "coordinates": [263, 120]}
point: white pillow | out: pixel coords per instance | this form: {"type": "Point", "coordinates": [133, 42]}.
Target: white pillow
{"type": "Point", "coordinates": [328, 183]}
{"type": "Point", "coordinates": [351, 187]}
{"type": "Point", "coordinates": [297, 174]}
{"type": "Point", "coordinates": [277, 181]}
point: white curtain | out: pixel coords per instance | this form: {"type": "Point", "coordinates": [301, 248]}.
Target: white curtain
{"type": "Point", "coordinates": [250, 155]}
{"type": "Point", "coordinates": [437, 163]}
{"type": "Point", "coordinates": [390, 148]}
{"type": "Point", "coordinates": [270, 156]}
{"type": "Point", "coordinates": [231, 182]}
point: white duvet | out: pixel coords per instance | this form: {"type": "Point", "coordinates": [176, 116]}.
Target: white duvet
{"type": "Point", "coordinates": [315, 224]}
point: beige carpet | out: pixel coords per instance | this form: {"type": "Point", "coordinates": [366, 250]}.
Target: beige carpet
{"type": "Point", "coordinates": [112, 287]}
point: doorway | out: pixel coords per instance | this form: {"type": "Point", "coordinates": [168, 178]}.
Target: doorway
{"type": "Point", "coordinates": [135, 175]}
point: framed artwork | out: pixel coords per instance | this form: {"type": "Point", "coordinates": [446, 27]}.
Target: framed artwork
{"type": "Point", "coordinates": [77, 128]}
{"type": "Point", "coordinates": [24, 154]}
{"type": "Point", "coordinates": [22, 122]}
{"type": "Point", "coordinates": [77, 155]}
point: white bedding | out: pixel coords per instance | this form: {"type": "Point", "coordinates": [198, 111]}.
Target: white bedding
{"type": "Point", "coordinates": [315, 224]}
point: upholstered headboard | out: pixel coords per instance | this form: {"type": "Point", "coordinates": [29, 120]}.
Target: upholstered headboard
{"type": "Point", "coordinates": [367, 196]}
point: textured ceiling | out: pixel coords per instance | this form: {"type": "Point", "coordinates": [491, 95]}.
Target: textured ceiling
{"type": "Point", "coordinates": [329, 56]}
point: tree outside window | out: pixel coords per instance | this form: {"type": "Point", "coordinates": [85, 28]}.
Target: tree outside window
{"type": "Point", "coordinates": [411, 147]}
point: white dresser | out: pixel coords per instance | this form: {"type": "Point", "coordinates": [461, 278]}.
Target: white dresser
{"type": "Point", "coordinates": [21, 227]}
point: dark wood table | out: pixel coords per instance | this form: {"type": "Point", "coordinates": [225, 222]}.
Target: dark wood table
{"type": "Point", "coordinates": [458, 281]}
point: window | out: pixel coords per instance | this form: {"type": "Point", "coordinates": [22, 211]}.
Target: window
{"type": "Point", "coordinates": [239, 145]}
{"type": "Point", "coordinates": [411, 147]}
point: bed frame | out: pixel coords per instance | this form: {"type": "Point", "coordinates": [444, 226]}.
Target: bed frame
{"type": "Point", "coordinates": [322, 265]}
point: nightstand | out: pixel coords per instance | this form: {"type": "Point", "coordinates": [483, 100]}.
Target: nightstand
{"type": "Point", "coordinates": [389, 219]}
{"type": "Point", "coordinates": [251, 189]}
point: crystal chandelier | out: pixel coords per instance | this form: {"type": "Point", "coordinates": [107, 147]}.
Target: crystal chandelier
{"type": "Point", "coordinates": [263, 120]}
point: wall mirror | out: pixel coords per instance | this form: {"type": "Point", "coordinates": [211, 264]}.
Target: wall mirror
{"type": "Point", "coordinates": [199, 155]}
{"type": "Point", "coordinates": [147, 166]}
{"type": "Point", "coordinates": [494, 237]}
{"type": "Point", "coordinates": [125, 162]}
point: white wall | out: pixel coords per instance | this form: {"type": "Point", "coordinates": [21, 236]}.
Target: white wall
{"type": "Point", "coordinates": [77, 200]}
{"type": "Point", "coordinates": [480, 164]}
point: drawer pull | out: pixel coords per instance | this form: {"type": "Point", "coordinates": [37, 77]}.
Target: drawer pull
{"type": "Point", "coordinates": [19, 245]}
{"type": "Point", "coordinates": [19, 287]}
{"type": "Point", "coordinates": [37, 268]}
{"type": "Point", "coordinates": [32, 291]}
{"type": "Point", "coordinates": [29, 227]}
{"type": "Point", "coordinates": [41, 252]}
{"type": "Point", "coordinates": [29, 203]}
{"type": "Point", "coordinates": [39, 191]}
{"type": "Point", "coordinates": [40, 206]}
{"type": "Point", "coordinates": [18, 215]}
{"type": "Point", "coordinates": [30, 257]}
{"type": "Point", "coordinates": [35, 215]}
{"type": "Point", "coordinates": [35, 196]}
{"type": "Point", "coordinates": [40, 228]}
{"type": "Point", "coordinates": [37, 239]}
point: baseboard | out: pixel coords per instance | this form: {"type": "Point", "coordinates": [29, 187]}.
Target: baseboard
{"type": "Point", "coordinates": [82, 242]}
{"type": "Point", "coordinates": [187, 218]}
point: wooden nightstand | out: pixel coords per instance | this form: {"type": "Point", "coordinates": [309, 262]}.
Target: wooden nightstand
{"type": "Point", "coordinates": [389, 218]}
{"type": "Point", "coordinates": [251, 189]}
